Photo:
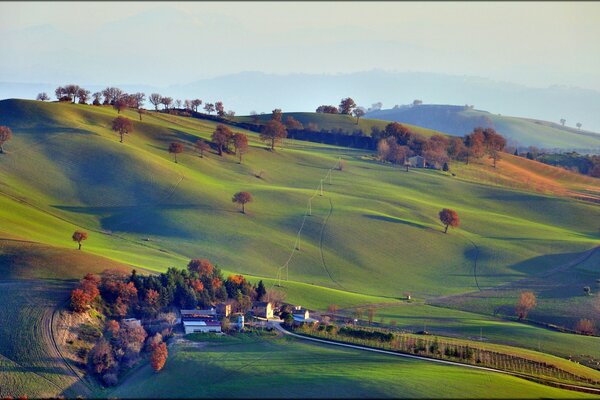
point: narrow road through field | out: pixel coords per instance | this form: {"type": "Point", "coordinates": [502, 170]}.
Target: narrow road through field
{"type": "Point", "coordinates": [280, 328]}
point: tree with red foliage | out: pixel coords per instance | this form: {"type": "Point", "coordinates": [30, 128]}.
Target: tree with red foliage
{"type": "Point", "coordinates": [79, 236]}
{"type": "Point", "coordinates": [449, 218]}
{"type": "Point", "coordinates": [122, 125]}
{"type": "Point", "coordinates": [201, 266]}
{"type": "Point", "coordinates": [240, 141]}
{"type": "Point", "coordinates": [293, 124]}
{"type": "Point", "coordinates": [175, 148]}
{"type": "Point", "coordinates": [242, 198]}
{"type": "Point", "coordinates": [273, 131]}
{"type": "Point", "coordinates": [202, 146]}
{"type": "Point", "coordinates": [220, 109]}
{"type": "Point", "coordinates": [101, 357]}
{"type": "Point", "coordinates": [347, 105]}
{"type": "Point", "coordinates": [358, 113]}
{"type": "Point", "coordinates": [494, 143]}
{"type": "Point", "coordinates": [131, 337]}
{"type": "Point", "coordinates": [80, 300]}
{"type": "Point", "coordinates": [399, 131]}
{"type": "Point", "coordinates": [474, 144]}
{"type": "Point", "coordinates": [222, 137]}
{"type": "Point", "coordinates": [5, 136]}
{"type": "Point", "coordinates": [328, 109]}
{"type": "Point", "coordinates": [112, 327]}
{"type": "Point", "coordinates": [159, 355]}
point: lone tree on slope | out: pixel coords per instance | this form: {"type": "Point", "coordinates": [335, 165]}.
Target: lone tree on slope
{"type": "Point", "coordinates": [240, 141]}
{"type": "Point", "coordinates": [123, 125]}
{"type": "Point", "coordinates": [242, 198]}
{"type": "Point", "coordinates": [202, 146]}
{"type": "Point", "coordinates": [449, 218]}
{"type": "Point", "coordinates": [79, 236]}
{"type": "Point", "coordinates": [176, 148]}
{"type": "Point", "coordinates": [5, 136]}
{"type": "Point", "coordinates": [525, 304]}
{"type": "Point", "coordinates": [358, 113]}
{"type": "Point", "coordinates": [273, 132]}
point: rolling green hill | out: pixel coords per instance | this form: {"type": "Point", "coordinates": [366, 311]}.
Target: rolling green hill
{"type": "Point", "coordinates": [337, 122]}
{"type": "Point", "coordinates": [366, 235]}
{"type": "Point", "coordinates": [372, 236]}
{"type": "Point", "coordinates": [458, 120]}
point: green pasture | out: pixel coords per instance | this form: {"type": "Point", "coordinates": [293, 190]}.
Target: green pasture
{"type": "Point", "coordinates": [291, 368]}
{"type": "Point", "coordinates": [375, 230]}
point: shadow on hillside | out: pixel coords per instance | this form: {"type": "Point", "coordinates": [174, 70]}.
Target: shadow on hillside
{"type": "Point", "coordinates": [397, 221]}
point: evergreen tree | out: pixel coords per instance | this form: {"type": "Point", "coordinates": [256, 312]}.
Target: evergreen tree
{"type": "Point", "coordinates": [260, 290]}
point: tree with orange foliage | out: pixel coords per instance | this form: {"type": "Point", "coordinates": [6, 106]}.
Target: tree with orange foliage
{"type": "Point", "coordinates": [79, 236]}
{"type": "Point", "coordinates": [197, 285]}
{"type": "Point", "coordinates": [449, 217]}
{"type": "Point", "coordinates": [526, 303]}
{"type": "Point", "coordinates": [474, 144]}
{"type": "Point", "coordinates": [152, 297]}
{"type": "Point", "coordinates": [201, 266]}
{"type": "Point", "coordinates": [122, 125]}
{"type": "Point", "coordinates": [216, 283]}
{"type": "Point", "coordinates": [159, 355]}
{"type": "Point", "coordinates": [585, 327]}
{"type": "Point", "coordinates": [5, 136]}
{"type": "Point", "coordinates": [242, 198]}
{"type": "Point", "coordinates": [175, 148]}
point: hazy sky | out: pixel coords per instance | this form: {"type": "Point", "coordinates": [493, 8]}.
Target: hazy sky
{"type": "Point", "coordinates": [537, 44]}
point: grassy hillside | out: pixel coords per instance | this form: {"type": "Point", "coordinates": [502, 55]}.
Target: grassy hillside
{"type": "Point", "coordinates": [288, 368]}
{"type": "Point", "coordinates": [373, 235]}
{"type": "Point", "coordinates": [335, 122]}
{"type": "Point", "coordinates": [457, 120]}
{"type": "Point", "coordinates": [366, 235]}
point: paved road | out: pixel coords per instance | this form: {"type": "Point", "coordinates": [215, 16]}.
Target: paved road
{"type": "Point", "coordinates": [281, 329]}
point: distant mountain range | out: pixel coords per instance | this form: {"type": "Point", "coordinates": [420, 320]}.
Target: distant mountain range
{"type": "Point", "coordinates": [256, 91]}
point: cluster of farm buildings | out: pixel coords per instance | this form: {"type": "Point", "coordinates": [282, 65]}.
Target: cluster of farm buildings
{"type": "Point", "coordinates": [209, 320]}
